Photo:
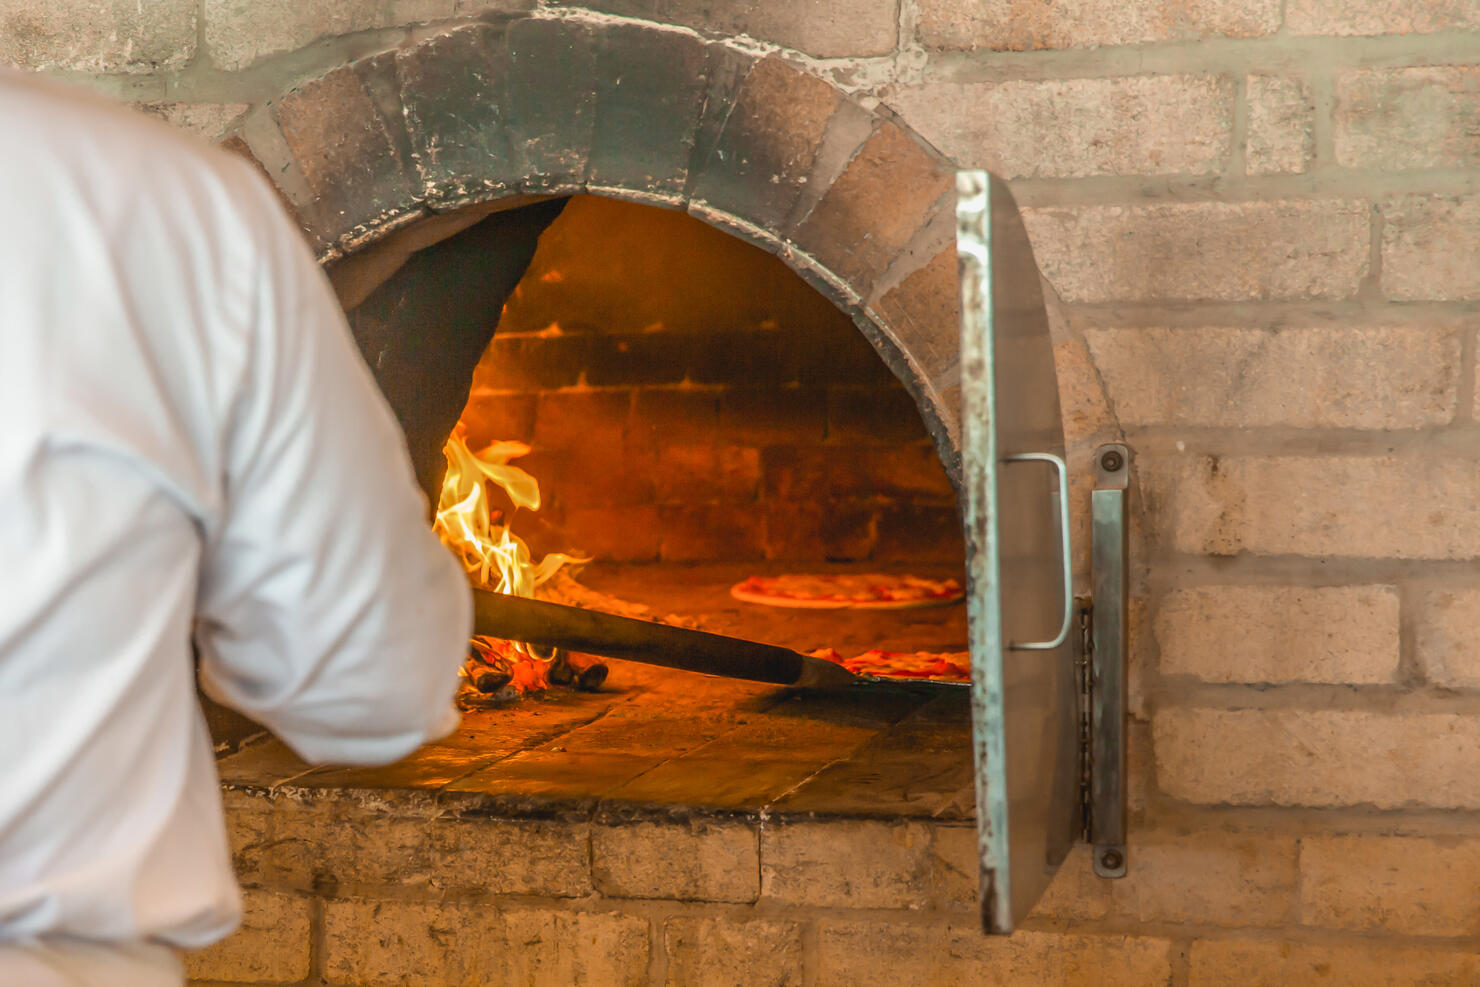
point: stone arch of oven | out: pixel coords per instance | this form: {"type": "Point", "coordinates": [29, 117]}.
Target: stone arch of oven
{"type": "Point", "coordinates": [496, 112]}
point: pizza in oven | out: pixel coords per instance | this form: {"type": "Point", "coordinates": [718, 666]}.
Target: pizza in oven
{"type": "Point", "coordinates": [840, 591]}
{"type": "Point", "coordinates": [954, 666]}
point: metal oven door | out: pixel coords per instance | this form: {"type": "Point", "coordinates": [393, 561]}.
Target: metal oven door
{"type": "Point", "coordinates": [1020, 598]}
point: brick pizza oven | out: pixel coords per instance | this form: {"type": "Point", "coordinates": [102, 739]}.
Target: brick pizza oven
{"type": "Point", "coordinates": [1257, 224]}
{"type": "Point", "coordinates": [719, 300]}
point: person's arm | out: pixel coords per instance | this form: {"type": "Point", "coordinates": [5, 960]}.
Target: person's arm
{"type": "Point", "coordinates": [328, 611]}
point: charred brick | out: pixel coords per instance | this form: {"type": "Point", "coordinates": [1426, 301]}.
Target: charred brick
{"type": "Point", "coordinates": [769, 144]}
{"type": "Point", "coordinates": [347, 147]}
{"type": "Point", "coordinates": [454, 89]}
{"type": "Point", "coordinates": [651, 87]}
{"type": "Point", "coordinates": [763, 416]}
{"type": "Point", "coordinates": [551, 101]}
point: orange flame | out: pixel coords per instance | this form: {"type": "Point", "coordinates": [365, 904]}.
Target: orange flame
{"type": "Point", "coordinates": [467, 522]}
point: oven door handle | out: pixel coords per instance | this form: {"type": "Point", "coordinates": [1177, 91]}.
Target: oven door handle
{"type": "Point", "coordinates": [1068, 562]}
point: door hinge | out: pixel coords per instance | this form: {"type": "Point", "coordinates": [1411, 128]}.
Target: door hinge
{"type": "Point", "coordinates": [1101, 666]}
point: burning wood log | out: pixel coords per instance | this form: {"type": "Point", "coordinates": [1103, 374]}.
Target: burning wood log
{"type": "Point", "coordinates": [591, 677]}
{"type": "Point", "coordinates": [492, 681]}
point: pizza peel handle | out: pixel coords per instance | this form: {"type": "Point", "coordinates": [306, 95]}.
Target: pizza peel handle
{"type": "Point", "coordinates": [552, 625]}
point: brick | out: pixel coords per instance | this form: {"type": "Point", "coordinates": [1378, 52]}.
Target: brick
{"type": "Point", "coordinates": [1073, 128]}
{"type": "Point", "coordinates": [380, 944]}
{"type": "Point", "coordinates": [955, 866]}
{"type": "Point", "coordinates": [765, 153]}
{"type": "Point", "coordinates": [1351, 964]}
{"type": "Point", "coordinates": [107, 36]}
{"type": "Point", "coordinates": [920, 532]}
{"type": "Point", "coordinates": [508, 856]}
{"type": "Point", "coordinates": [714, 861]}
{"type": "Point", "coordinates": [1410, 886]}
{"type": "Point", "coordinates": [1354, 17]}
{"type": "Point", "coordinates": [493, 6]}
{"type": "Point", "coordinates": [1318, 758]}
{"type": "Point", "coordinates": [572, 419]}
{"type": "Point", "coordinates": [924, 312]}
{"type": "Point", "coordinates": [496, 417]}
{"type": "Point", "coordinates": [710, 532]}
{"type": "Point", "coordinates": [556, 949]}
{"type": "Point", "coordinates": [851, 28]}
{"type": "Point", "coordinates": [1281, 126]}
{"type": "Point", "coordinates": [1205, 877]}
{"type": "Point", "coordinates": [1447, 647]}
{"type": "Point", "coordinates": [1017, 25]}
{"type": "Point", "coordinates": [835, 352]}
{"type": "Point", "coordinates": [271, 945]}
{"type": "Point", "coordinates": [345, 847]}
{"type": "Point", "coordinates": [885, 195]}
{"type": "Point", "coordinates": [422, 11]}
{"type": "Point", "coordinates": [869, 954]}
{"type": "Point", "coordinates": [531, 362]}
{"type": "Point", "coordinates": [836, 532]}
{"type": "Point", "coordinates": [350, 147]}
{"type": "Point", "coordinates": [1406, 118]}
{"type": "Point", "coordinates": [1203, 251]}
{"type": "Point", "coordinates": [644, 359]}
{"type": "Point", "coordinates": [707, 472]}
{"type": "Point", "coordinates": [760, 416]}
{"type": "Point", "coordinates": [1426, 243]}
{"type": "Point", "coordinates": [820, 864]}
{"type": "Point", "coordinates": [1405, 507]}
{"type": "Point", "coordinates": [209, 120]}
{"type": "Point", "coordinates": [1280, 633]}
{"type": "Point", "coordinates": [650, 95]}
{"type": "Point", "coordinates": [1084, 406]}
{"type": "Point", "coordinates": [240, 32]}
{"type": "Point", "coordinates": [903, 472]}
{"type": "Point", "coordinates": [614, 534]}
{"type": "Point", "coordinates": [747, 357]}
{"type": "Point", "coordinates": [453, 88]}
{"type": "Point", "coordinates": [723, 953]}
{"type": "Point", "coordinates": [1381, 378]}
{"type": "Point", "coordinates": [825, 473]}
{"type": "Point", "coordinates": [679, 415]}
{"type": "Point", "coordinates": [551, 109]}
{"type": "Point", "coordinates": [375, 944]}
{"type": "Point", "coordinates": [873, 415]}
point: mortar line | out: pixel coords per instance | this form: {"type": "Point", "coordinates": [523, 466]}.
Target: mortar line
{"type": "Point", "coordinates": [1465, 396]}
{"type": "Point", "coordinates": [1410, 673]}
{"type": "Point", "coordinates": [1371, 288]}
{"type": "Point", "coordinates": [1191, 442]}
{"type": "Point", "coordinates": [1174, 571]}
{"type": "Point", "coordinates": [1323, 103]}
{"type": "Point", "coordinates": [1238, 135]}
{"type": "Point", "coordinates": [1274, 53]}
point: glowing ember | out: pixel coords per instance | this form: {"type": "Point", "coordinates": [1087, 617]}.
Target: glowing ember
{"type": "Point", "coordinates": [495, 557]}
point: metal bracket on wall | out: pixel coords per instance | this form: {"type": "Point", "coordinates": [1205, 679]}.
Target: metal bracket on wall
{"type": "Point", "coordinates": [1107, 685]}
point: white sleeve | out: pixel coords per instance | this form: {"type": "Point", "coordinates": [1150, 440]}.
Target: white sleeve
{"type": "Point", "coordinates": [328, 611]}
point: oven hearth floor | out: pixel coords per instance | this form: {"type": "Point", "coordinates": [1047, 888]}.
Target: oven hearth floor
{"type": "Point", "coordinates": [657, 739]}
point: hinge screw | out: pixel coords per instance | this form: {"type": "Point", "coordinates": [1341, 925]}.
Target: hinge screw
{"type": "Point", "coordinates": [1111, 860]}
{"type": "Point", "coordinates": [1112, 461]}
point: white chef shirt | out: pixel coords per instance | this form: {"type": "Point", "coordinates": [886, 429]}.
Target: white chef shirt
{"type": "Point", "coordinates": [190, 445]}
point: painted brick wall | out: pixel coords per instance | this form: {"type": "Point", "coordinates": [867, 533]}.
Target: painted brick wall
{"type": "Point", "coordinates": [1262, 221]}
